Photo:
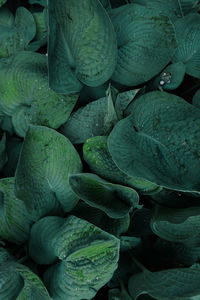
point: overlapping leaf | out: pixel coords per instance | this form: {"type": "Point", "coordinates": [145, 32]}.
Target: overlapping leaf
{"type": "Point", "coordinates": [47, 158]}
{"type": "Point", "coordinates": [88, 256]}
{"type": "Point", "coordinates": [115, 200]}
{"type": "Point", "coordinates": [82, 45]}
{"type": "Point", "coordinates": [15, 33]}
{"type": "Point", "coordinates": [146, 43]}
{"type": "Point", "coordinates": [159, 142]}
{"type": "Point", "coordinates": [25, 94]}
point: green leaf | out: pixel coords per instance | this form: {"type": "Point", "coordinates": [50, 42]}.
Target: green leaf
{"type": "Point", "coordinates": [85, 252]}
{"type": "Point", "coordinates": [2, 2]}
{"type": "Point", "coordinates": [97, 156]}
{"type": "Point", "coordinates": [42, 176]}
{"type": "Point", "coordinates": [3, 154]}
{"type": "Point", "coordinates": [14, 221]}
{"type": "Point", "coordinates": [40, 2]}
{"type": "Point", "coordinates": [176, 282]}
{"type": "Point", "coordinates": [114, 199]}
{"type": "Point", "coordinates": [159, 142]}
{"type": "Point", "coordinates": [20, 283]}
{"type": "Point", "coordinates": [15, 34]}
{"type": "Point", "coordinates": [146, 42]}
{"type": "Point", "coordinates": [96, 118]}
{"type": "Point", "coordinates": [13, 148]}
{"type": "Point", "coordinates": [101, 220]}
{"type": "Point", "coordinates": [28, 98]}
{"type": "Point", "coordinates": [5, 256]}
{"type": "Point", "coordinates": [123, 100]}
{"type": "Point", "coordinates": [116, 294]}
{"type": "Point", "coordinates": [188, 37]}
{"type": "Point", "coordinates": [196, 99]}
{"type": "Point", "coordinates": [82, 44]}
{"type": "Point", "coordinates": [129, 242]}
{"type": "Point", "coordinates": [176, 225]}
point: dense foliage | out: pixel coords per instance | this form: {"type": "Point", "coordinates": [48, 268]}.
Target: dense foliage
{"type": "Point", "coordinates": [99, 150]}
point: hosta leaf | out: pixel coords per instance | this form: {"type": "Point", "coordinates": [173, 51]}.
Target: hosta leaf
{"type": "Point", "coordinates": [47, 158]}
{"type": "Point", "coordinates": [145, 38]}
{"type": "Point", "coordinates": [176, 225]}
{"type": "Point", "coordinates": [40, 39]}
{"type": "Point", "coordinates": [100, 219]}
{"type": "Point", "coordinates": [25, 94]}
{"type": "Point", "coordinates": [88, 256]}
{"type": "Point", "coordinates": [96, 118]}
{"type": "Point", "coordinates": [13, 148]}
{"type": "Point", "coordinates": [116, 294]}
{"type": "Point", "coordinates": [20, 283]}
{"type": "Point", "coordinates": [40, 2]}
{"type": "Point", "coordinates": [5, 255]}
{"type": "Point", "coordinates": [82, 42]}
{"type": "Point", "coordinates": [97, 156]}
{"type": "Point", "coordinates": [167, 284]}
{"type": "Point", "coordinates": [188, 37]}
{"type": "Point", "coordinates": [114, 199]}
{"type": "Point", "coordinates": [159, 142]}
{"type": "Point", "coordinates": [14, 220]}
{"type": "Point", "coordinates": [2, 2]}
{"type": "Point", "coordinates": [15, 34]}
{"type": "Point", "coordinates": [129, 242]}
{"type": "Point", "coordinates": [123, 100]}
{"type": "Point", "coordinates": [171, 77]}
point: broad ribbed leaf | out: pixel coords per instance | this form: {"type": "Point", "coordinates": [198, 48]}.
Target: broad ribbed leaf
{"type": "Point", "coordinates": [114, 199]}
{"type": "Point", "coordinates": [176, 225]}
{"type": "Point", "coordinates": [168, 284]}
{"type": "Point", "coordinates": [88, 256]}
{"type": "Point", "coordinates": [15, 34]}
{"type": "Point", "coordinates": [25, 94]}
{"type": "Point", "coordinates": [96, 118]}
{"type": "Point", "coordinates": [20, 283]}
{"type": "Point", "coordinates": [97, 156]}
{"type": "Point", "coordinates": [146, 43]}
{"type": "Point", "coordinates": [47, 158]}
{"type": "Point", "coordinates": [82, 44]}
{"type": "Point", "coordinates": [171, 77]}
{"type": "Point", "coordinates": [188, 37]}
{"type": "Point", "coordinates": [14, 218]}
{"type": "Point", "coordinates": [159, 142]}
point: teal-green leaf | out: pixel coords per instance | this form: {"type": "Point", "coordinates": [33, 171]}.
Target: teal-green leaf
{"type": "Point", "coordinates": [95, 118]}
{"type": "Point", "coordinates": [188, 37]}
{"type": "Point", "coordinates": [25, 94]}
{"type": "Point", "coordinates": [14, 219]}
{"type": "Point", "coordinates": [82, 44]}
{"type": "Point", "coordinates": [88, 256]}
{"type": "Point", "coordinates": [20, 283]}
{"type": "Point", "coordinates": [114, 199]}
{"type": "Point", "coordinates": [3, 154]}
{"type": "Point", "coordinates": [97, 156]}
{"type": "Point", "coordinates": [13, 148]}
{"type": "Point", "coordinates": [176, 225]}
{"type": "Point", "coordinates": [15, 34]}
{"type": "Point", "coordinates": [196, 99]}
{"type": "Point", "coordinates": [146, 43]}
{"type": "Point", "coordinates": [42, 176]}
{"type": "Point", "coordinates": [2, 2]}
{"type": "Point", "coordinates": [167, 284]}
{"type": "Point", "coordinates": [40, 2]}
{"type": "Point", "coordinates": [159, 142]}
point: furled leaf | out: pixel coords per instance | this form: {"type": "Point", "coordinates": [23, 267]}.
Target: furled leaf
{"type": "Point", "coordinates": [171, 77]}
{"type": "Point", "coordinates": [47, 158]}
{"type": "Point", "coordinates": [196, 99]}
{"type": "Point", "coordinates": [167, 284]}
{"type": "Point", "coordinates": [129, 242]}
{"type": "Point", "coordinates": [40, 2]}
{"type": "Point", "coordinates": [82, 45]}
{"type": "Point", "coordinates": [146, 42]}
{"type": "Point", "coordinates": [114, 199]}
{"type": "Point", "coordinates": [26, 97]}
{"type": "Point", "coordinates": [3, 154]}
{"type": "Point", "coordinates": [116, 294]}
{"type": "Point", "coordinates": [14, 221]}
{"type": "Point", "coordinates": [20, 283]}
{"type": "Point", "coordinates": [188, 37]}
{"type": "Point", "coordinates": [176, 225]}
{"type": "Point", "coordinates": [15, 33]}
{"type": "Point", "coordinates": [88, 256]}
{"type": "Point", "coordinates": [96, 118]}
{"type": "Point", "coordinates": [101, 220]}
{"type": "Point", "coordinates": [159, 142]}
{"type": "Point", "coordinates": [5, 256]}
{"type": "Point", "coordinates": [123, 100]}
{"type": "Point", "coordinates": [97, 156]}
